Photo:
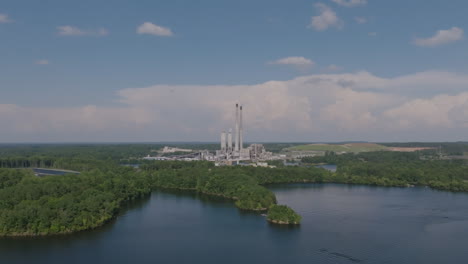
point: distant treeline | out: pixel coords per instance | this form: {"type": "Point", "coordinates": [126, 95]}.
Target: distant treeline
{"type": "Point", "coordinates": [51, 162]}
{"type": "Point", "coordinates": [78, 151]}
{"type": "Point", "coordinates": [448, 148]}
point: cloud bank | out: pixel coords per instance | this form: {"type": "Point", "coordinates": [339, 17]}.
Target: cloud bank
{"type": "Point", "coordinates": [322, 107]}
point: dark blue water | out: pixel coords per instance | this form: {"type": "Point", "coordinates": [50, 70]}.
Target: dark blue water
{"type": "Point", "coordinates": [52, 172]}
{"type": "Point", "coordinates": [330, 167]}
{"type": "Point", "coordinates": [341, 224]}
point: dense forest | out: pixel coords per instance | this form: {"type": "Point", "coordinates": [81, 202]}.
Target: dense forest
{"type": "Point", "coordinates": [281, 214]}
{"type": "Point", "coordinates": [242, 184]}
{"type": "Point", "coordinates": [388, 168]}
{"type": "Point", "coordinates": [31, 205]}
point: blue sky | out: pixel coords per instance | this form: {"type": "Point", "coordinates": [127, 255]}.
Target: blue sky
{"type": "Point", "coordinates": [227, 43]}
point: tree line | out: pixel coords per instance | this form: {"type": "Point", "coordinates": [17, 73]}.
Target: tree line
{"type": "Point", "coordinates": [387, 168]}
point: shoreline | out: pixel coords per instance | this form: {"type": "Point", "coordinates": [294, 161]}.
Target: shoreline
{"type": "Point", "coordinates": [277, 222]}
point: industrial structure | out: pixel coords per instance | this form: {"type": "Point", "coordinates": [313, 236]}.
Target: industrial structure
{"type": "Point", "coordinates": [231, 151]}
{"type": "Point", "coordinates": [174, 150]}
{"type": "Point", "coordinates": [237, 153]}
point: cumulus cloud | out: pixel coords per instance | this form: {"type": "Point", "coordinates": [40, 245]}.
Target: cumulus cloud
{"type": "Point", "coordinates": [327, 18]}
{"type": "Point", "coordinates": [438, 111]}
{"type": "Point", "coordinates": [441, 37]}
{"type": "Point", "coordinates": [298, 62]}
{"type": "Point", "coordinates": [319, 107]}
{"type": "Point", "coordinates": [350, 3]}
{"type": "Point", "coordinates": [5, 19]}
{"type": "Point", "coordinates": [42, 62]}
{"type": "Point", "coordinates": [75, 31]}
{"type": "Point", "coordinates": [153, 29]}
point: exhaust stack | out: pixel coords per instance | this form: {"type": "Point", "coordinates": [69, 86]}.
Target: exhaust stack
{"type": "Point", "coordinates": [236, 146]}
{"type": "Point", "coordinates": [223, 141]}
{"type": "Point", "coordinates": [241, 134]}
{"type": "Point", "coordinates": [229, 148]}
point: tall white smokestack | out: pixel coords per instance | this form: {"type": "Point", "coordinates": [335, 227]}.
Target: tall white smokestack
{"type": "Point", "coordinates": [236, 147]}
{"type": "Point", "coordinates": [223, 141]}
{"type": "Point", "coordinates": [241, 134]}
{"type": "Point", "coordinates": [229, 148]}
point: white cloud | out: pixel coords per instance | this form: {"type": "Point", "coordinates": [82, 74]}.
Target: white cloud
{"type": "Point", "coordinates": [326, 19]}
{"type": "Point", "coordinates": [5, 19]}
{"type": "Point", "coordinates": [360, 20]}
{"type": "Point", "coordinates": [446, 111]}
{"type": "Point", "coordinates": [153, 29]}
{"type": "Point", "coordinates": [75, 31]}
{"type": "Point", "coordinates": [350, 3]}
{"type": "Point", "coordinates": [42, 62]}
{"type": "Point", "coordinates": [322, 107]}
{"type": "Point", "coordinates": [441, 37]}
{"type": "Point", "coordinates": [300, 62]}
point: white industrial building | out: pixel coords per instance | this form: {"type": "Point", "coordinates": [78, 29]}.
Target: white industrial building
{"type": "Point", "coordinates": [173, 150]}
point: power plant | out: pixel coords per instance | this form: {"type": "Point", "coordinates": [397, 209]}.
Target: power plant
{"type": "Point", "coordinates": [229, 153]}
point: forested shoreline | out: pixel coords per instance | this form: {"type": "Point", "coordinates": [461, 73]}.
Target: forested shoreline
{"type": "Point", "coordinates": [32, 206]}
{"type": "Point", "coordinates": [397, 169]}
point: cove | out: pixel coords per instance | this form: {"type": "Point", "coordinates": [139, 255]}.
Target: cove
{"type": "Point", "coordinates": [341, 224]}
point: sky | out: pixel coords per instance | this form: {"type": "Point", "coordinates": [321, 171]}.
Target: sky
{"type": "Point", "coordinates": [172, 70]}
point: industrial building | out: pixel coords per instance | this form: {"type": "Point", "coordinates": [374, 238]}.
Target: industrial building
{"type": "Point", "coordinates": [232, 150]}
{"type": "Point", "coordinates": [236, 152]}
{"type": "Point", "coordinates": [173, 150]}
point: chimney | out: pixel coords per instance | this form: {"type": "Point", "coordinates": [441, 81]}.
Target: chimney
{"type": "Point", "coordinates": [223, 141]}
{"type": "Point", "coordinates": [236, 147]}
{"type": "Point", "coordinates": [241, 134]}
{"type": "Point", "coordinates": [229, 148]}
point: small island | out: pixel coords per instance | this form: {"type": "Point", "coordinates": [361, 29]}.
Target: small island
{"type": "Point", "coordinates": [283, 215]}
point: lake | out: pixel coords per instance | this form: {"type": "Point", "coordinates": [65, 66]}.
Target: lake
{"type": "Point", "coordinates": [330, 167]}
{"type": "Point", "coordinates": [341, 224]}
{"type": "Point", "coordinates": [45, 172]}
